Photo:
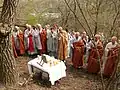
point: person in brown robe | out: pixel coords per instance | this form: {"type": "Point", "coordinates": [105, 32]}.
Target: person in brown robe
{"type": "Point", "coordinates": [20, 36]}
{"type": "Point", "coordinates": [62, 44]}
{"type": "Point", "coordinates": [112, 54]}
{"type": "Point", "coordinates": [43, 39]}
{"type": "Point", "coordinates": [78, 53]}
{"type": "Point", "coordinates": [96, 53]}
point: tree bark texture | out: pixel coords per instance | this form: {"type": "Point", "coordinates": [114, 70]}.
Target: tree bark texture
{"type": "Point", "coordinates": [8, 72]}
{"type": "Point", "coordinates": [8, 11]}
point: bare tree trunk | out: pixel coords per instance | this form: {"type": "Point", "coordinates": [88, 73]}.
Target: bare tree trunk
{"type": "Point", "coordinates": [8, 73]}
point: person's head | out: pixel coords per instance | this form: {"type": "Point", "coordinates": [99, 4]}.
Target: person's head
{"type": "Point", "coordinates": [60, 29]}
{"type": "Point", "coordinates": [97, 37]}
{"type": "Point", "coordinates": [47, 26]}
{"type": "Point", "coordinates": [16, 28]}
{"type": "Point", "coordinates": [114, 39]}
{"type": "Point", "coordinates": [84, 33]}
{"type": "Point", "coordinates": [55, 26]}
{"type": "Point", "coordinates": [77, 34]}
{"type": "Point", "coordinates": [27, 25]}
{"type": "Point", "coordinates": [52, 30]}
{"type": "Point", "coordinates": [39, 26]}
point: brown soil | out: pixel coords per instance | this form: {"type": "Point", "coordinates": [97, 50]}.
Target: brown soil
{"type": "Point", "coordinates": [76, 79]}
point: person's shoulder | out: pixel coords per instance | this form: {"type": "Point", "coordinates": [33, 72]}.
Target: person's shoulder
{"type": "Point", "coordinates": [64, 31]}
{"type": "Point", "coordinates": [109, 43]}
{"type": "Point", "coordinates": [26, 30]}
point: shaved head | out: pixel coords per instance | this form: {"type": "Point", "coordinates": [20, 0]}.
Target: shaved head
{"type": "Point", "coordinates": [114, 38]}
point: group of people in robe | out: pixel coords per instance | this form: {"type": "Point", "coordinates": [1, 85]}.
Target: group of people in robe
{"type": "Point", "coordinates": [63, 44]}
{"type": "Point", "coordinates": [36, 40]}
{"type": "Point", "coordinates": [96, 56]}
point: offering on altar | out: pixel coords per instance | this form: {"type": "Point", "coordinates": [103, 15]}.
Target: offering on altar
{"type": "Point", "coordinates": [48, 60]}
{"type": "Point", "coordinates": [55, 68]}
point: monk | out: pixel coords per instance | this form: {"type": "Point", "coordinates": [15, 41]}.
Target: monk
{"type": "Point", "coordinates": [96, 53]}
{"type": "Point", "coordinates": [62, 44]}
{"type": "Point", "coordinates": [78, 52]}
{"type": "Point", "coordinates": [111, 51]}
{"type": "Point", "coordinates": [85, 40]}
{"type": "Point", "coordinates": [55, 27]}
{"type": "Point", "coordinates": [71, 40]}
{"type": "Point", "coordinates": [69, 37]}
{"type": "Point", "coordinates": [29, 40]}
{"type": "Point", "coordinates": [20, 36]}
{"type": "Point", "coordinates": [51, 43]}
{"type": "Point", "coordinates": [48, 38]}
{"type": "Point", "coordinates": [13, 46]}
{"type": "Point", "coordinates": [43, 39]}
{"type": "Point", "coordinates": [37, 40]}
{"type": "Point", "coordinates": [15, 42]}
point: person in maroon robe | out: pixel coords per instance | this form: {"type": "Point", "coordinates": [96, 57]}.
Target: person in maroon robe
{"type": "Point", "coordinates": [43, 39]}
{"type": "Point", "coordinates": [20, 36]}
{"type": "Point", "coordinates": [96, 53]}
{"type": "Point", "coordinates": [29, 40]}
{"type": "Point", "coordinates": [78, 52]}
{"type": "Point", "coordinates": [112, 55]}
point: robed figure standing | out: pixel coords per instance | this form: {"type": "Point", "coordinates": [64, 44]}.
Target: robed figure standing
{"type": "Point", "coordinates": [37, 39]}
{"type": "Point", "coordinates": [95, 56]}
{"type": "Point", "coordinates": [14, 42]}
{"type": "Point", "coordinates": [62, 44]}
{"type": "Point", "coordinates": [20, 36]}
{"type": "Point", "coordinates": [43, 39]}
{"type": "Point", "coordinates": [18, 42]}
{"type": "Point", "coordinates": [111, 51]}
{"type": "Point", "coordinates": [29, 40]}
{"type": "Point", "coordinates": [78, 51]}
{"type": "Point", "coordinates": [51, 43]}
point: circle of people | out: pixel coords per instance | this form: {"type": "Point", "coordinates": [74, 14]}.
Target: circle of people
{"type": "Point", "coordinates": [62, 44]}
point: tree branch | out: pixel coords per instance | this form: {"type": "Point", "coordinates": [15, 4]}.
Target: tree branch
{"type": "Point", "coordinates": [84, 18]}
{"type": "Point", "coordinates": [89, 12]}
{"type": "Point", "coordinates": [76, 17]}
{"type": "Point", "coordinates": [113, 24]}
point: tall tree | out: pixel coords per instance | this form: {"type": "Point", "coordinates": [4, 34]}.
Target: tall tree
{"type": "Point", "coordinates": [8, 73]}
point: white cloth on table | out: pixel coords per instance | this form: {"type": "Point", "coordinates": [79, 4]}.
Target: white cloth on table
{"type": "Point", "coordinates": [55, 72]}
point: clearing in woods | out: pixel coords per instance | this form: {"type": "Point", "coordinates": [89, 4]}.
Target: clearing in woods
{"type": "Point", "coordinates": [76, 79]}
